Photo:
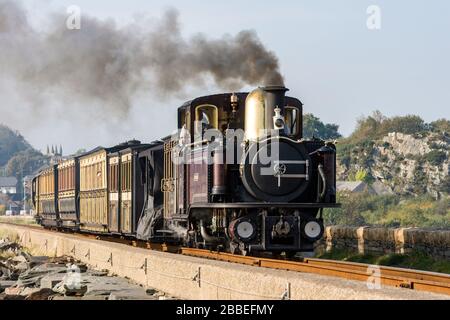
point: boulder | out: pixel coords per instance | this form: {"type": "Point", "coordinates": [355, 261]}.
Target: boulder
{"type": "Point", "coordinates": [95, 298]}
{"type": "Point", "coordinates": [28, 291]}
{"type": "Point", "coordinates": [130, 294]}
{"type": "Point", "coordinates": [21, 267]}
{"type": "Point", "coordinates": [41, 294]}
{"type": "Point", "coordinates": [32, 277]}
{"type": "Point", "coordinates": [4, 284]}
{"type": "Point", "coordinates": [37, 260]}
{"type": "Point", "coordinates": [19, 259]}
{"type": "Point", "coordinates": [58, 297]}
{"type": "Point", "coordinates": [51, 280]}
{"type": "Point", "coordinates": [13, 297]}
{"type": "Point", "coordinates": [75, 291]}
{"type": "Point", "coordinates": [13, 291]}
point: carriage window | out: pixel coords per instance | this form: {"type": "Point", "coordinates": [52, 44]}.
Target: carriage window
{"type": "Point", "coordinates": [292, 119]}
{"type": "Point", "coordinates": [206, 117]}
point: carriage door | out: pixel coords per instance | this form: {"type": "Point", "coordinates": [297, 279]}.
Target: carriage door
{"type": "Point", "coordinates": [113, 188]}
{"type": "Point", "coordinates": [126, 195]}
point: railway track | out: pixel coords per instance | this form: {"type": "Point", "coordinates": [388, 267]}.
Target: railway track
{"type": "Point", "coordinates": [388, 276]}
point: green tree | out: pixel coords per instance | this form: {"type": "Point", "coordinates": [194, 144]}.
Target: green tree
{"type": "Point", "coordinates": [436, 157]}
{"type": "Point", "coordinates": [377, 125]}
{"type": "Point", "coordinates": [313, 127]}
{"type": "Point", "coordinates": [409, 124]}
{"type": "Point", "coordinates": [441, 125]}
{"type": "Point", "coordinates": [25, 163]}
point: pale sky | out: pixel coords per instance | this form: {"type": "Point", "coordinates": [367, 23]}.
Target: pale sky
{"type": "Point", "coordinates": [331, 61]}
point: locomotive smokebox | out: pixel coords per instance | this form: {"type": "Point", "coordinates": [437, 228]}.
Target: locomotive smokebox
{"type": "Point", "coordinates": [274, 98]}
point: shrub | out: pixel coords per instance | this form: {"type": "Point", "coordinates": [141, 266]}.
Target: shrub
{"type": "Point", "coordinates": [436, 157]}
{"type": "Point", "coordinates": [445, 186]}
{"type": "Point", "coordinates": [349, 213]}
{"type": "Point", "coordinates": [360, 209]}
{"type": "Point", "coordinates": [441, 125]}
{"type": "Point", "coordinates": [361, 175]}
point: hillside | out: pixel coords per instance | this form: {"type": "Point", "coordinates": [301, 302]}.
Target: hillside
{"type": "Point", "coordinates": [17, 157]}
{"type": "Point", "coordinates": [11, 142]}
{"type": "Point", "coordinates": [406, 154]}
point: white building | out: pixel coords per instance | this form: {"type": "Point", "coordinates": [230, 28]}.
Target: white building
{"type": "Point", "coordinates": [8, 185]}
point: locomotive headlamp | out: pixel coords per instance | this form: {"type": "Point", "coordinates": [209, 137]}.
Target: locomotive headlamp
{"type": "Point", "coordinates": [278, 120]}
{"type": "Point", "coordinates": [279, 123]}
{"type": "Point", "coordinates": [313, 230]}
{"type": "Point", "coordinates": [242, 229]}
{"type": "Point", "coordinates": [245, 230]}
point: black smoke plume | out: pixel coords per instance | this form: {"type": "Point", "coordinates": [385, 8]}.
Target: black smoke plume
{"type": "Point", "coordinates": [108, 65]}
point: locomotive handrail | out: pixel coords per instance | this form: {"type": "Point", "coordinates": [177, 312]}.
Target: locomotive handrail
{"type": "Point", "coordinates": [324, 181]}
{"type": "Point", "coordinates": [195, 143]}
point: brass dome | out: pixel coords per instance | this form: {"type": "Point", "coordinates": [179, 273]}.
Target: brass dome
{"type": "Point", "coordinates": [254, 114]}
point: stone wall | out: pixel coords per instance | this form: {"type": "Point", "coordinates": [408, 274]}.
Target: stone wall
{"type": "Point", "coordinates": [384, 240]}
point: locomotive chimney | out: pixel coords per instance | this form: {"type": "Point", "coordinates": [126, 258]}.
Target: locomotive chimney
{"type": "Point", "coordinates": [274, 97]}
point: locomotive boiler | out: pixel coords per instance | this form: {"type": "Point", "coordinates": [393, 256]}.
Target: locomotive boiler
{"type": "Point", "coordinates": [238, 176]}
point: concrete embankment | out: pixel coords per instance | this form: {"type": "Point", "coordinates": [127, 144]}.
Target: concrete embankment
{"type": "Point", "coordinates": [195, 278]}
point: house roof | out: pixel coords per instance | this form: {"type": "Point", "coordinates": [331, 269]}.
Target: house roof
{"type": "Point", "coordinates": [8, 182]}
{"type": "Point", "coordinates": [352, 186]}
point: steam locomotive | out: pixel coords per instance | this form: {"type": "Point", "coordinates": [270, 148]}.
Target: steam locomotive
{"type": "Point", "coordinates": [237, 176]}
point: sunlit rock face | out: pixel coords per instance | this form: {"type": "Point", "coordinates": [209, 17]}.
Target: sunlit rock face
{"type": "Point", "coordinates": [403, 163]}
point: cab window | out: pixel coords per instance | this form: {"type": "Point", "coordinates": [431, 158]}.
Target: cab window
{"type": "Point", "coordinates": [206, 117]}
{"type": "Point", "coordinates": [292, 119]}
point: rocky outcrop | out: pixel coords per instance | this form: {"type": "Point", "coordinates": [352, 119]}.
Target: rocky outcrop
{"type": "Point", "coordinates": [405, 164]}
